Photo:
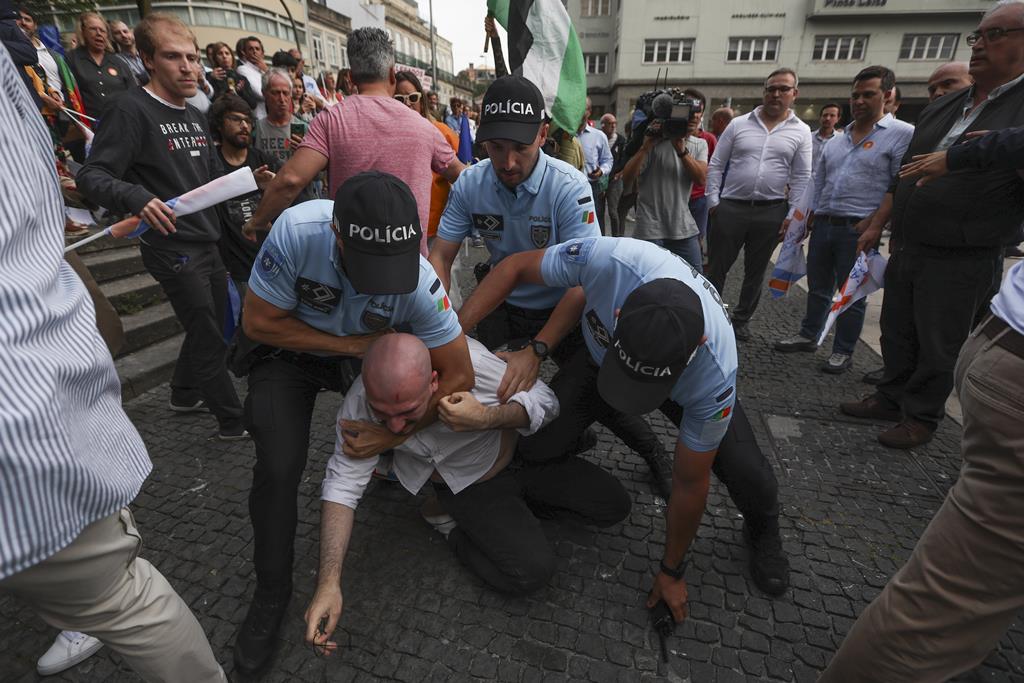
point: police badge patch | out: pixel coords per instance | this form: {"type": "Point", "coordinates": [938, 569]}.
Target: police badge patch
{"type": "Point", "coordinates": [317, 295]}
{"type": "Point", "coordinates": [539, 235]}
{"type": "Point", "coordinates": [597, 329]}
{"type": "Point", "coordinates": [374, 321]}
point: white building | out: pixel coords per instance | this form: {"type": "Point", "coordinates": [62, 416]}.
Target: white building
{"type": "Point", "coordinates": [726, 48]}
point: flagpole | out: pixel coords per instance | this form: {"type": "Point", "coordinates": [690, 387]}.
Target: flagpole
{"type": "Point", "coordinates": [433, 49]}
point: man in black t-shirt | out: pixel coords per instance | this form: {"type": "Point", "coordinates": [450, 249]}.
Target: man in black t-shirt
{"type": "Point", "coordinates": [231, 121]}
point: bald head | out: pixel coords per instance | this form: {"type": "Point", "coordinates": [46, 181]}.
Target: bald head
{"type": "Point", "coordinates": [720, 120]}
{"type": "Point", "coordinates": [399, 380]}
{"type": "Point", "coordinates": [948, 78]}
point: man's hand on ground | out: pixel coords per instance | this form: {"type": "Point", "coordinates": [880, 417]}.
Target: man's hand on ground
{"type": "Point", "coordinates": [521, 373]}
{"type": "Point", "coordinates": [159, 216]}
{"type": "Point", "coordinates": [327, 602]}
{"type": "Point", "coordinates": [673, 592]}
{"type": "Point", "coordinates": [365, 439]}
{"type": "Point", "coordinates": [462, 412]}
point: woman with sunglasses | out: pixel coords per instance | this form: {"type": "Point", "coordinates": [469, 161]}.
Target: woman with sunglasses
{"type": "Point", "coordinates": [409, 92]}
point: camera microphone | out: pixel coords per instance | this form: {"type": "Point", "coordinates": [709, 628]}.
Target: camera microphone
{"type": "Point", "coordinates": [661, 107]}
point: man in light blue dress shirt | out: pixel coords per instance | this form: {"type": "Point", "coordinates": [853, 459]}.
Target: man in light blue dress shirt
{"type": "Point", "coordinates": [852, 176]}
{"type": "Point", "coordinates": [597, 160]}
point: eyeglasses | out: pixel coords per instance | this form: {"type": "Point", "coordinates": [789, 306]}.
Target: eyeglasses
{"type": "Point", "coordinates": [779, 89]}
{"type": "Point", "coordinates": [238, 118]}
{"type": "Point", "coordinates": [991, 35]}
{"type": "Point", "coordinates": [411, 98]}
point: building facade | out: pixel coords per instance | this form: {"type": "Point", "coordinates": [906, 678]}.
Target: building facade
{"type": "Point", "coordinates": [726, 48]}
{"type": "Point", "coordinates": [328, 41]}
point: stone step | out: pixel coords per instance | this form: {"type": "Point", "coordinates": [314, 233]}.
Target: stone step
{"type": "Point", "coordinates": [148, 367]}
{"type": "Point", "coordinates": [104, 243]}
{"type": "Point", "coordinates": [149, 326]}
{"type": "Point", "coordinates": [111, 264]}
{"type": "Point", "coordinates": [133, 293]}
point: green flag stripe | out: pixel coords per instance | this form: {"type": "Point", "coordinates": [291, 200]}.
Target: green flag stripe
{"type": "Point", "coordinates": [554, 56]}
{"type": "Point", "coordinates": [499, 8]}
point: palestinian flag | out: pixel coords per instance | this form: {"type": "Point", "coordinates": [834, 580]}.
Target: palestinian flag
{"type": "Point", "coordinates": [542, 46]}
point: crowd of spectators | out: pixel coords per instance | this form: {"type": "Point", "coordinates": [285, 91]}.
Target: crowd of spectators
{"type": "Point", "coordinates": [597, 243]}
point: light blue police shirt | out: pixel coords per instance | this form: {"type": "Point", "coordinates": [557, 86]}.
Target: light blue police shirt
{"type": "Point", "coordinates": [553, 205]}
{"type": "Point", "coordinates": [1008, 304]}
{"type": "Point", "coordinates": [609, 269]}
{"type": "Point", "coordinates": [298, 270]}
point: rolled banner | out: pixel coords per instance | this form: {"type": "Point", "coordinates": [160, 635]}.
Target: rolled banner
{"type": "Point", "coordinates": [866, 276]}
{"type": "Point", "coordinates": [203, 197]}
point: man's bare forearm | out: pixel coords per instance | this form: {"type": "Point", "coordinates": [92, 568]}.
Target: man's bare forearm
{"type": "Point", "coordinates": [508, 416]}
{"type": "Point", "coordinates": [336, 522]}
{"type": "Point", "coordinates": [293, 334]}
{"type": "Point", "coordinates": [685, 509]}
{"type": "Point", "coordinates": [564, 318]}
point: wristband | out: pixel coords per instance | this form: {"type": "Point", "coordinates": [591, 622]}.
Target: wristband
{"type": "Point", "coordinates": [676, 573]}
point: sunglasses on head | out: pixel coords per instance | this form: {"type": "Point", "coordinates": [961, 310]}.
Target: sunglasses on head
{"type": "Point", "coordinates": [411, 98]}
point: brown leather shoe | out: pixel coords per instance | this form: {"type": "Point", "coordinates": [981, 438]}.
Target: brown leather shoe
{"type": "Point", "coordinates": [871, 408]}
{"type": "Point", "coordinates": [906, 434]}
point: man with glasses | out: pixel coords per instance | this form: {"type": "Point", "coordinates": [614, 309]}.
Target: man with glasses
{"type": "Point", "coordinates": [947, 239]}
{"type": "Point", "coordinates": [231, 123]}
{"type": "Point", "coordinates": [768, 153]}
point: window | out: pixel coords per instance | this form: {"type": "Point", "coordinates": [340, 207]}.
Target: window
{"type": "Point", "coordinates": [753, 50]}
{"type": "Point", "coordinates": [596, 63]}
{"type": "Point", "coordinates": [920, 46]}
{"type": "Point", "coordinates": [839, 48]}
{"type": "Point", "coordinates": [318, 47]}
{"type": "Point", "coordinates": [668, 51]}
{"type": "Point", "coordinates": [332, 52]}
{"type": "Point", "coordinates": [595, 8]}
{"type": "Point", "coordinates": [217, 17]}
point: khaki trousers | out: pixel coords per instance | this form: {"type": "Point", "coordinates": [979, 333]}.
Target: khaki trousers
{"type": "Point", "coordinates": [98, 585]}
{"type": "Point", "coordinates": [962, 587]}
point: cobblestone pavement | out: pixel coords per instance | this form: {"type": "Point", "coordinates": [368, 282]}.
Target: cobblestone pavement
{"type": "Point", "coordinates": [852, 512]}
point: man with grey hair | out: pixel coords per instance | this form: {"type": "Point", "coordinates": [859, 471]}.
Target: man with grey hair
{"type": "Point", "coordinates": [768, 153]}
{"type": "Point", "coordinates": [368, 131]}
{"type": "Point", "coordinates": [277, 132]}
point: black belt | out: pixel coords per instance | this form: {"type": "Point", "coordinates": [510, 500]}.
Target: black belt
{"type": "Point", "coordinates": [529, 313]}
{"type": "Point", "coordinates": [755, 202]}
{"type": "Point", "coordinates": [837, 220]}
{"type": "Point", "coordinates": [300, 358]}
{"type": "Point", "coordinates": [1012, 340]}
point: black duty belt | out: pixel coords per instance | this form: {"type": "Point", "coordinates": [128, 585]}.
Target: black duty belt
{"type": "Point", "coordinates": [755, 202]}
{"type": "Point", "coordinates": [529, 313]}
{"type": "Point", "coordinates": [837, 220]}
{"type": "Point", "coordinates": [1012, 340]}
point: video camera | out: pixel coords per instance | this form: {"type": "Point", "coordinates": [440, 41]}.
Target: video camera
{"type": "Point", "coordinates": [668, 112]}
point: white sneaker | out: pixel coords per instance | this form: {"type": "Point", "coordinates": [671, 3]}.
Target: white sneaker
{"type": "Point", "coordinates": [70, 648]}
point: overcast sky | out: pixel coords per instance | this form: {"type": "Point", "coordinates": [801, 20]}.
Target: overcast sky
{"type": "Point", "coordinates": [462, 22]}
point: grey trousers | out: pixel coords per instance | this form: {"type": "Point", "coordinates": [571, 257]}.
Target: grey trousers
{"type": "Point", "coordinates": [755, 229]}
{"type": "Point", "coordinates": [98, 585]}
{"type": "Point", "coordinates": [949, 605]}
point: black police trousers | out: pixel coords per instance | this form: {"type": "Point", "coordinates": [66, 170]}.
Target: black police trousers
{"type": "Point", "coordinates": [278, 412]}
{"type": "Point", "coordinates": [739, 464]}
{"type": "Point", "coordinates": [499, 536]}
{"type": "Point", "coordinates": [516, 326]}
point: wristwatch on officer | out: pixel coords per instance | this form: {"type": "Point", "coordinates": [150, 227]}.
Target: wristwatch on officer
{"type": "Point", "coordinates": [540, 349]}
{"type": "Point", "coordinates": [676, 573]}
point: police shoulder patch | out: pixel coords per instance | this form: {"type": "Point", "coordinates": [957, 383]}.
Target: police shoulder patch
{"type": "Point", "coordinates": [577, 251]}
{"type": "Point", "coordinates": [269, 262]}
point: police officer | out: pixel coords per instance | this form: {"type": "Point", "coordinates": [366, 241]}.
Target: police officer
{"type": "Point", "coordinates": [519, 200]}
{"type": "Point", "coordinates": [671, 347]}
{"type": "Point", "coordinates": [321, 290]}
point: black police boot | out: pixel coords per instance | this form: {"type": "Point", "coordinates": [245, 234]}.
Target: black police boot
{"type": "Point", "coordinates": [660, 462]}
{"type": "Point", "coordinates": [257, 638]}
{"type": "Point", "coordinates": [769, 565]}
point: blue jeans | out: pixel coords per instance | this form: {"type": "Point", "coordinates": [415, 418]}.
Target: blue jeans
{"type": "Point", "coordinates": [687, 248]}
{"type": "Point", "coordinates": [699, 211]}
{"type": "Point", "coordinates": [831, 255]}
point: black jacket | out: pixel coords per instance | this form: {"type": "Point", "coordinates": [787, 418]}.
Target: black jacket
{"type": "Point", "coordinates": [999, 149]}
{"type": "Point", "coordinates": [965, 209]}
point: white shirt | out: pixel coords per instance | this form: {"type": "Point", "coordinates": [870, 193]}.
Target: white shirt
{"type": "Point", "coordinates": [255, 77]}
{"type": "Point", "coordinates": [596, 152]}
{"type": "Point", "coordinates": [461, 458]}
{"type": "Point", "coordinates": [49, 65]}
{"type": "Point", "coordinates": [761, 162]}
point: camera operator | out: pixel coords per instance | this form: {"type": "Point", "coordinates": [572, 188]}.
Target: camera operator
{"type": "Point", "coordinates": [670, 161]}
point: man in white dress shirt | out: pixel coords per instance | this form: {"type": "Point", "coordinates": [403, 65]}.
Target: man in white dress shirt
{"type": "Point", "coordinates": [490, 521]}
{"type": "Point", "coordinates": [768, 154]}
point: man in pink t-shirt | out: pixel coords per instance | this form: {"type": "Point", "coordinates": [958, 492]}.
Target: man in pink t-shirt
{"type": "Point", "coordinates": [368, 131]}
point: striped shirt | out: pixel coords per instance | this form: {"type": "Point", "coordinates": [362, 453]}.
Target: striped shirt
{"type": "Point", "coordinates": [69, 456]}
